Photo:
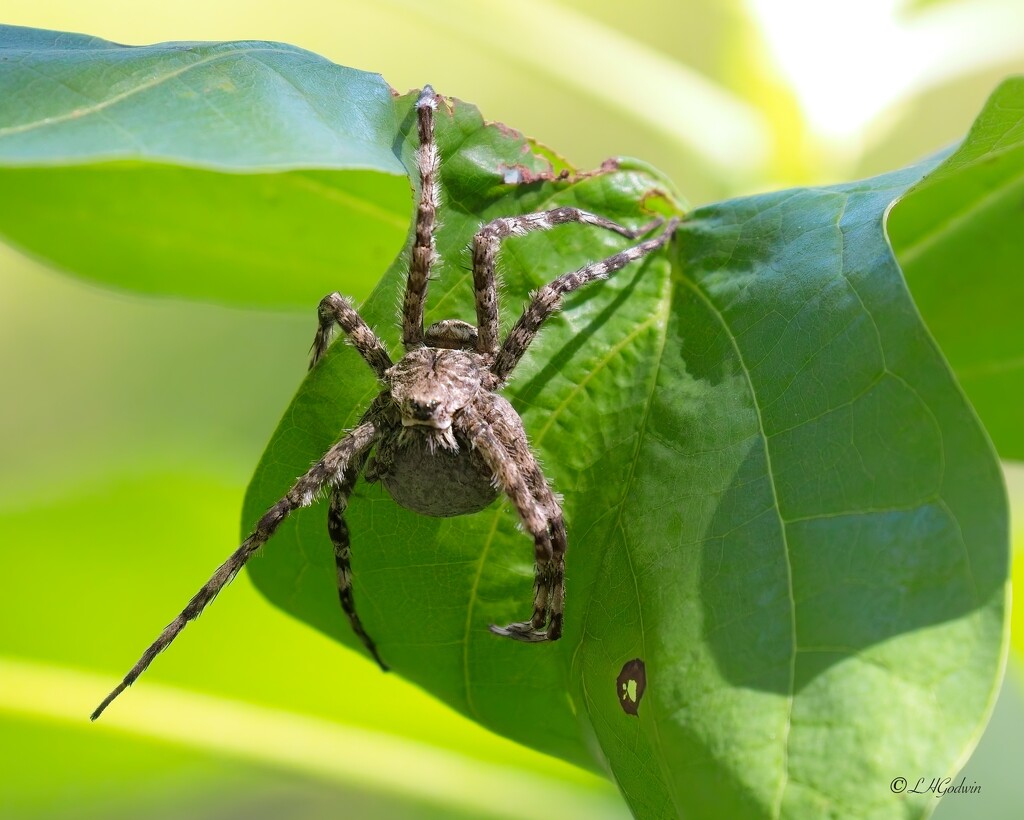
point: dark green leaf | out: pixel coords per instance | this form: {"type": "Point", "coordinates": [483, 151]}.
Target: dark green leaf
{"type": "Point", "coordinates": [778, 501]}
{"type": "Point", "coordinates": [113, 161]}
{"type": "Point", "coordinates": [958, 237]}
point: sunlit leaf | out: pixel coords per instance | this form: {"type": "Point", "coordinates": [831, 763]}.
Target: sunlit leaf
{"type": "Point", "coordinates": [957, 235]}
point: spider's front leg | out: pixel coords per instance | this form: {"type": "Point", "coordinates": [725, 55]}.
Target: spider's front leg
{"type": "Point", "coordinates": [494, 429]}
{"type": "Point", "coordinates": [335, 308]}
{"type": "Point", "coordinates": [423, 247]}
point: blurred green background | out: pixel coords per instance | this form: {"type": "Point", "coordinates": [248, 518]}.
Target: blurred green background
{"type": "Point", "coordinates": [129, 427]}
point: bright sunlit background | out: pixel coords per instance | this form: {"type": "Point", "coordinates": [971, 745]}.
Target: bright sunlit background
{"type": "Point", "coordinates": [132, 421]}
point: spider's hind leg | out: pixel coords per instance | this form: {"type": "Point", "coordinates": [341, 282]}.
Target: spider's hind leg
{"type": "Point", "coordinates": [336, 461]}
{"type": "Point", "coordinates": [496, 432]}
{"type": "Point", "coordinates": [485, 250]}
{"type": "Point", "coordinates": [548, 299]}
{"type": "Point", "coordinates": [338, 530]}
{"type": "Point", "coordinates": [548, 591]}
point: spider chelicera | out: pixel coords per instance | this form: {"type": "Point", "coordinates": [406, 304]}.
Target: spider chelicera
{"type": "Point", "coordinates": [438, 436]}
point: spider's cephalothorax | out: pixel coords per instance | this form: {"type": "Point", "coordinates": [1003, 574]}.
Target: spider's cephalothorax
{"type": "Point", "coordinates": [438, 436]}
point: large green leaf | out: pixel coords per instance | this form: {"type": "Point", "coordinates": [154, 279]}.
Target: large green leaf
{"type": "Point", "coordinates": [957, 236]}
{"type": "Point", "coordinates": [113, 162]}
{"type": "Point", "coordinates": [778, 499]}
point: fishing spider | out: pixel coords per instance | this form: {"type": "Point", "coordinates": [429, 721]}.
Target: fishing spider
{"type": "Point", "coordinates": [438, 436]}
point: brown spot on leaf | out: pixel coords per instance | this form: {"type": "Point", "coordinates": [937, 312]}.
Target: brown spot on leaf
{"type": "Point", "coordinates": [506, 130]}
{"type": "Point", "coordinates": [630, 685]}
{"type": "Point", "coordinates": [521, 175]}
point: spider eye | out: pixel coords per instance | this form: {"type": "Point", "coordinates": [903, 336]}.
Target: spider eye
{"type": "Point", "coordinates": [422, 410]}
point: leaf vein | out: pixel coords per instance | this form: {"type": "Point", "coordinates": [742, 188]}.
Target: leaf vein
{"type": "Point", "coordinates": [101, 105]}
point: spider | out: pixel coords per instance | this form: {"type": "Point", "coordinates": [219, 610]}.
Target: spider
{"type": "Point", "coordinates": [439, 437]}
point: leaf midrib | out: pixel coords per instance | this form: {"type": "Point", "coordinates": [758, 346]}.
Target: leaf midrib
{"type": "Point", "coordinates": [714, 311]}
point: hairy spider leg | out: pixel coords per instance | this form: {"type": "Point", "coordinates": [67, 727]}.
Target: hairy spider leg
{"type": "Point", "coordinates": [423, 250]}
{"type": "Point", "coordinates": [549, 582]}
{"type": "Point", "coordinates": [335, 462]}
{"type": "Point", "coordinates": [335, 308]}
{"type": "Point", "coordinates": [549, 576]}
{"type": "Point", "coordinates": [548, 299]}
{"type": "Point", "coordinates": [338, 530]}
{"type": "Point", "coordinates": [518, 475]}
{"type": "Point", "coordinates": [487, 242]}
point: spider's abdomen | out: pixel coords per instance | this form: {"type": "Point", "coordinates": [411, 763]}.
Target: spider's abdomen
{"type": "Point", "coordinates": [430, 479]}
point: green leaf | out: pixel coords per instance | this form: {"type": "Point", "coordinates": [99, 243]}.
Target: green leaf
{"type": "Point", "coordinates": [957, 236]}
{"type": "Point", "coordinates": [778, 500]}
{"type": "Point", "coordinates": [248, 173]}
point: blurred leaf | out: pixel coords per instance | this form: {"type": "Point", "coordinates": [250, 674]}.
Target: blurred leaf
{"type": "Point", "coordinates": [259, 708]}
{"type": "Point", "coordinates": [777, 498]}
{"type": "Point", "coordinates": [88, 773]}
{"type": "Point", "coordinates": [641, 86]}
{"type": "Point", "coordinates": [957, 235]}
{"type": "Point", "coordinates": [133, 384]}
{"type": "Point", "coordinates": [248, 173]}
{"type": "Point", "coordinates": [995, 765]}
